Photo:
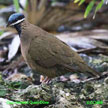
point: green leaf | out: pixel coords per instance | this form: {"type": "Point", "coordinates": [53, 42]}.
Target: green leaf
{"type": "Point", "coordinates": [16, 4]}
{"type": "Point", "coordinates": [89, 8]}
{"type": "Point", "coordinates": [76, 1]}
{"type": "Point", "coordinates": [99, 6]}
{"type": "Point", "coordinates": [81, 2]}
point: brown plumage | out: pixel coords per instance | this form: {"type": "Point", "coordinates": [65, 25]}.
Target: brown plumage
{"type": "Point", "coordinates": [48, 55]}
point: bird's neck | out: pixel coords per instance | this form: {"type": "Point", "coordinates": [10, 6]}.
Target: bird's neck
{"type": "Point", "coordinates": [18, 28]}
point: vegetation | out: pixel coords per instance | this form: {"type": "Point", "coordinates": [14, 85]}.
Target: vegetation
{"type": "Point", "coordinates": [89, 7]}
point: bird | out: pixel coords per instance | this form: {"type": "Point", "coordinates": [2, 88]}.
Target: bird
{"type": "Point", "coordinates": [45, 53]}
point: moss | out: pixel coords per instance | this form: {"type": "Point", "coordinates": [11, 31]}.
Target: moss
{"type": "Point", "coordinates": [67, 94]}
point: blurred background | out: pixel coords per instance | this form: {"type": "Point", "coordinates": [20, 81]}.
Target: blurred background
{"type": "Point", "coordinates": [82, 24]}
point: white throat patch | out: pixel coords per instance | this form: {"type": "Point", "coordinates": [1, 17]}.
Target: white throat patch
{"type": "Point", "coordinates": [18, 21]}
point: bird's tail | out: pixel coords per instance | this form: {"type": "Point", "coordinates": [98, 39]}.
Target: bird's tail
{"type": "Point", "coordinates": [92, 72]}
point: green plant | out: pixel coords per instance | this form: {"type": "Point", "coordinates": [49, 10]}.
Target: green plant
{"type": "Point", "coordinates": [90, 6]}
{"type": "Point", "coordinates": [16, 4]}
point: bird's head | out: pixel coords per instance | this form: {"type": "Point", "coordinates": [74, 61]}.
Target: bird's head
{"type": "Point", "coordinates": [15, 19]}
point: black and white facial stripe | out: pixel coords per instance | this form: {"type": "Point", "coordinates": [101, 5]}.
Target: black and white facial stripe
{"type": "Point", "coordinates": [17, 22]}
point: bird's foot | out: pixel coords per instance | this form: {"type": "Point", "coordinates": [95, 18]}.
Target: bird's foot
{"type": "Point", "coordinates": [45, 80]}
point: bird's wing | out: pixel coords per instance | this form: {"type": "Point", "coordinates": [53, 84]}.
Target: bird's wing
{"type": "Point", "coordinates": [48, 51]}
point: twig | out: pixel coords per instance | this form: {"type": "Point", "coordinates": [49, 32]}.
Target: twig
{"type": "Point", "coordinates": [104, 74]}
{"type": "Point", "coordinates": [86, 50]}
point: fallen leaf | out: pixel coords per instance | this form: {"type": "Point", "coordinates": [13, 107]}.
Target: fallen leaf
{"type": "Point", "coordinates": [13, 47]}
